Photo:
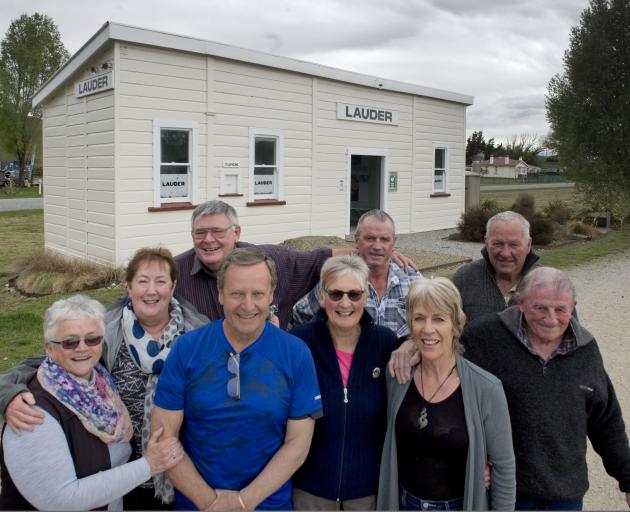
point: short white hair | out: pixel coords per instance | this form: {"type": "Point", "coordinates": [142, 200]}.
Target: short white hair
{"type": "Point", "coordinates": [544, 277]}
{"type": "Point", "coordinates": [508, 216]}
{"type": "Point", "coordinates": [73, 308]}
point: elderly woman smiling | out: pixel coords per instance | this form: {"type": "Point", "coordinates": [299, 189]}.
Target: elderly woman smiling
{"type": "Point", "coordinates": [139, 333]}
{"type": "Point", "coordinates": [448, 422]}
{"type": "Point", "coordinates": [350, 354]}
{"type": "Point", "coordinates": [75, 460]}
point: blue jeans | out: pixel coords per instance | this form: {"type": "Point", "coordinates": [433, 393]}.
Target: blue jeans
{"type": "Point", "coordinates": [411, 502]}
{"type": "Point", "coordinates": [527, 503]}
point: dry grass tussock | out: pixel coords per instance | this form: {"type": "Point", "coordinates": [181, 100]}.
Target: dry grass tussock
{"type": "Point", "coordinates": [46, 272]}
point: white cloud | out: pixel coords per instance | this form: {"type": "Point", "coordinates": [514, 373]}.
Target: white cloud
{"type": "Point", "coordinates": [502, 52]}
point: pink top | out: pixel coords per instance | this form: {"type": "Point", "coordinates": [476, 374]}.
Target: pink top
{"type": "Point", "coordinates": [345, 362]}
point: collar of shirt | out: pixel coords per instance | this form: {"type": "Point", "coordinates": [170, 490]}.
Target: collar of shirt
{"type": "Point", "coordinates": [568, 343]}
{"type": "Point", "coordinates": [197, 267]}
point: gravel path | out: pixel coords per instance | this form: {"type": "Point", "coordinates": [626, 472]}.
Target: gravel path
{"type": "Point", "coordinates": [603, 292]}
{"type": "Point", "coordinates": [21, 204]}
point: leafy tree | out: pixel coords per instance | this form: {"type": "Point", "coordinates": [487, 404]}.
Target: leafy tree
{"type": "Point", "coordinates": [526, 146]}
{"type": "Point", "coordinates": [588, 105]}
{"type": "Point", "coordinates": [476, 144]}
{"type": "Point", "coordinates": [29, 54]}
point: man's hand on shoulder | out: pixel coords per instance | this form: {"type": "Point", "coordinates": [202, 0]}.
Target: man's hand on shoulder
{"type": "Point", "coordinates": [20, 414]}
{"type": "Point", "coordinates": [404, 262]}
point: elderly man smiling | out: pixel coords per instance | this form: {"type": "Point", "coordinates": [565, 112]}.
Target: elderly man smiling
{"type": "Point", "coordinates": [488, 284]}
{"type": "Point", "coordinates": [557, 390]}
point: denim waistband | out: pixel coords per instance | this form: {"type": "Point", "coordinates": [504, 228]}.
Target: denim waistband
{"type": "Point", "coordinates": [410, 502]}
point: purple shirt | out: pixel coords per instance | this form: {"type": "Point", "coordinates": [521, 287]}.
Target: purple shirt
{"type": "Point", "coordinates": [297, 272]}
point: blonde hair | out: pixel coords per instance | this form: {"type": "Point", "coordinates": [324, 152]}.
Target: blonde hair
{"type": "Point", "coordinates": [439, 294]}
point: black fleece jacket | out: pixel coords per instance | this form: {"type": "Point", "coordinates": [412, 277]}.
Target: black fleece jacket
{"type": "Point", "coordinates": [553, 408]}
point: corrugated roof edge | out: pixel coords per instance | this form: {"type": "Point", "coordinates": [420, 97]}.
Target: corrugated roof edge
{"type": "Point", "coordinates": [130, 34]}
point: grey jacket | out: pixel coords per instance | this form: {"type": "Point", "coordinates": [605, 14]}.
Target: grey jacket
{"type": "Point", "coordinates": [13, 382]}
{"type": "Point", "coordinates": [489, 440]}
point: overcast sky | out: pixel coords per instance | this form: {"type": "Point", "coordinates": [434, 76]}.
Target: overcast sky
{"type": "Point", "coordinates": [502, 52]}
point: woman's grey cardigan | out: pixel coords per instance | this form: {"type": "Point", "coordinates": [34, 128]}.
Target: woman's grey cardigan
{"type": "Point", "coordinates": [489, 440]}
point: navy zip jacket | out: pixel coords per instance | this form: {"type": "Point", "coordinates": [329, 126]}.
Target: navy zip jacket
{"type": "Point", "coordinates": [344, 459]}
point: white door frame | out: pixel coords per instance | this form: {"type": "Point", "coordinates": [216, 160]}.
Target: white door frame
{"type": "Point", "coordinates": [383, 188]}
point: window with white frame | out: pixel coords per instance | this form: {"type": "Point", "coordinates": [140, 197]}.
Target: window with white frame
{"type": "Point", "coordinates": [266, 164]}
{"type": "Point", "coordinates": [440, 169]}
{"type": "Point", "coordinates": [175, 161]}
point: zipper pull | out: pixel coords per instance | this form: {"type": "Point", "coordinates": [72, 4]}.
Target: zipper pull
{"type": "Point", "coordinates": [345, 395]}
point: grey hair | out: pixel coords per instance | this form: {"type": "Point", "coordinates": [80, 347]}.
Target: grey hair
{"type": "Point", "coordinates": [508, 216]}
{"type": "Point", "coordinates": [76, 307]}
{"type": "Point", "coordinates": [544, 277]}
{"type": "Point", "coordinates": [215, 207]}
{"type": "Point", "coordinates": [341, 265]}
{"type": "Point", "coordinates": [441, 295]}
{"type": "Point", "coordinates": [379, 215]}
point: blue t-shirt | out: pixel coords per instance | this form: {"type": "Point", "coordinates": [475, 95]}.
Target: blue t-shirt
{"type": "Point", "coordinates": [230, 441]}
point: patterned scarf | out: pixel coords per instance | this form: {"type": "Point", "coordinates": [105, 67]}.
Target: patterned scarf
{"type": "Point", "coordinates": [149, 356]}
{"type": "Point", "coordinates": [95, 402]}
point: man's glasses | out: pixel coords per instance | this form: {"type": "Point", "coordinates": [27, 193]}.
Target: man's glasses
{"type": "Point", "coordinates": [217, 233]}
{"type": "Point", "coordinates": [337, 295]}
{"type": "Point", "coordinates": [72, 343]}
{"type": "Point", "coordinates": [234, 384]}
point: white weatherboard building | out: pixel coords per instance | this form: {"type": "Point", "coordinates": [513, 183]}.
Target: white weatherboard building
{"type": "Point", "coordinates": [140, 126]}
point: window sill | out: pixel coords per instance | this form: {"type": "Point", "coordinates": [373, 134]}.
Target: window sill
{"type": "Point", "coordinates": [230, 195]}
{"type": "Point", "coordinates": [266, 202]}
{"type": "Point", "coordinates": [172, 207]}
{"type": "Point", "coordinates": [440, 194]}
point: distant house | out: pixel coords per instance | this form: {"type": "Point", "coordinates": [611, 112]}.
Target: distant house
{"type": "Point", "coordinates": [506, 167]}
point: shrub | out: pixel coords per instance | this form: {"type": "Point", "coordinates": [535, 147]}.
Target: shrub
{"type": "Point", "coordinates": [491, 206]}
{"type": "Point", "coordinates": [558, 211]}
{"type": "Point", "coordinates": [541, 230]}
{"type": "Point", "coordinates": [580, 228]}
{"type": "Point", "coordinates": [525, 204]}
{"type": "Point", "coordinates": [472, 224]}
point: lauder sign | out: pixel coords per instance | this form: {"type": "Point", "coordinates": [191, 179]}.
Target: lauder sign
{"type": "Point", "coordinates": [366, 114]}
{"type": "Point", "coordinates": [94, 84]}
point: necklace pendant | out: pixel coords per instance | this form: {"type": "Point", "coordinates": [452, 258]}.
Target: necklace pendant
{"type": "Point", "coordinates": [423, 419]}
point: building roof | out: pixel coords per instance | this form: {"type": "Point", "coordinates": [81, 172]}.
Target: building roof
{"type": "Point", "coordinates": [500, 161]}
{"type": "Point", "coordinates": [126, 33]}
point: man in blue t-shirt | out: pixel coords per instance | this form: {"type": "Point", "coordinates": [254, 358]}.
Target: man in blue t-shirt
{"type": "Point", "coordinates": [242, 395]}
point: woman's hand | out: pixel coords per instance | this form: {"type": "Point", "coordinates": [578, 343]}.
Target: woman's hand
{"type": "Point", "coordinates": [163, 455]}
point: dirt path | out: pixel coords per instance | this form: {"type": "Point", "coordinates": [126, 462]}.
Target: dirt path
{"type": "Point", "coordinates": [603, 293]}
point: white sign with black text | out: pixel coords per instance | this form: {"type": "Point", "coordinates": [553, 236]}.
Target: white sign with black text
{"type": "Point", "coordinates": [263, 184]}
{"type": "Point", "coordinates": [94, 84]}
{"type": "Point", "coordinates": [174, 185]}
{"type": "Point", "coordinates": [365, 114]}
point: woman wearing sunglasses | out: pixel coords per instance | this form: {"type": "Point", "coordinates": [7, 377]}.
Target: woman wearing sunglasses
{"type": "Point", "coordinates": [350, 354]}
{"type": "Point", "coordinates": [76, 458]}
{"type": "Point", "coordinates": [139, 333]}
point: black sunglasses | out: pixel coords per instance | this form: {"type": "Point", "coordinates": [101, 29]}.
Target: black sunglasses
{"type": "Point", "coordinates": [72, 343]}
{"type": "Point", "coordinates": [337, 295]}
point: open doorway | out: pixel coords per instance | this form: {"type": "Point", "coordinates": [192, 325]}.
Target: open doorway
{"type": "Point", "coordinates": [366, 174]}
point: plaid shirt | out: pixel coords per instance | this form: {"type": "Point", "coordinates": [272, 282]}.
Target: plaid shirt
{"type": "Point", "coordinates": [390, 311]}
{"type": "Point", "coordinates": [568, 343]}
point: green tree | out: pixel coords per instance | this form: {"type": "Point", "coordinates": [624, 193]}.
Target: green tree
{"type": "Point", "coordinates": [29, 54]}
{"type": "Point", "coordinates": [526, 146]}
{"type": "Point", "coordinates": [588, 105]}
{"type": "Point", "coordinates": [476, 144]}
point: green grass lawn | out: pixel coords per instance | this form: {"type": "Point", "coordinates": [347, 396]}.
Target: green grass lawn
{"type": "Point", "coordinates": [21, 193]}
{"type": "Point", "coordinates": [543, 196]}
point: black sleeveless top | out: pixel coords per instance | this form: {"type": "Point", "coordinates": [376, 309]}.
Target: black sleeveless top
{"type": "Point", "coordinates": [89, 453]}
{"type": "Point", "coordinates": [432, 445]}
